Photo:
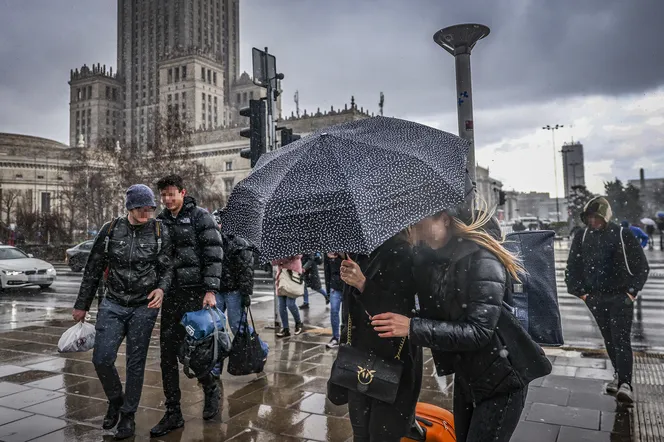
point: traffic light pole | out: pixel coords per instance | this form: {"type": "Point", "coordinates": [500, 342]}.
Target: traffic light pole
{"type": "Point", "coordinates": [270, 137]}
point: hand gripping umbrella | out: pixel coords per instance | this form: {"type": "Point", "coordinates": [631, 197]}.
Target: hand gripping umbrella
{"type": "Point", "coordinates": [347, 188]}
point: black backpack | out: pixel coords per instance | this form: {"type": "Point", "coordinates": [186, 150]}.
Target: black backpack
{"type": "Point", "coordinates": [199, 356]}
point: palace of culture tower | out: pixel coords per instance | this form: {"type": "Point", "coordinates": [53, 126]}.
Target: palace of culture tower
{"type": "Point", "coordinates": [173, 56]}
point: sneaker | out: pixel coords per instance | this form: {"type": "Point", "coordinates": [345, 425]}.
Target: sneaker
{"type": "Point", "coordinates": [299, 328]}
{"type": "Point", "coordinates": [612, 387]}
{"type": "Point", "coordinates": [211, 403]}
{"type": "Point", "coordinates": [284, 333]}
{"type": "Point", "coordinates": [304, 306]}
{"type": "Point", "coordinates": [334, 343]}
{"type": "Point", "coordinates": [126, 427]}
{"type": "Point", "coordinates": [112, 414]}
{"type": "Point", "coordinates": [171, 421]}
{"type": "Point", "coordinates": [625, 394]}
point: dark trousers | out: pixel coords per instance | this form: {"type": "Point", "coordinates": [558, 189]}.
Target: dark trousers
{"type": "Point", "coordinates": [114, 322]}
{"type": "Point", "coordinates": [376, 421]}
{"type": "Point", "coordinates": [171, 336]}
{"type": "Point", "coordinates": [492, 420]}
{"type": "Point", "coordinates": [614, 315]}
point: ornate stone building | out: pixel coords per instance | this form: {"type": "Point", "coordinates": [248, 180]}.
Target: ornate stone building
{"type": "Point", "coordinates": [180, 49]}
{"type": "Point", "coordinates": [33, 175]}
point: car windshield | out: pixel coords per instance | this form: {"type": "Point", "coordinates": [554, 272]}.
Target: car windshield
{"type": "Point", "coordinates": [11, 253]}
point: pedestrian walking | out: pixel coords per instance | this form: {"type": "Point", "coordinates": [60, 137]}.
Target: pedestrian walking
{"type": "Point", "coordinates": [197, 267]}
{"type": "Point", "coordinates": [289, 268]}
{"type": "Point", "coordinates": [462, 273]}
{"type": "Point", "coordinates": [607, 269]}
{"type": "Point", "coordinates": [310, 263]}
{"type": "Point", "coordinates": [134, 252]}
{"type": "Point", "coordinates": [335, 288]}
{"type": "Point", "coordinates": [377, 283]}
{"type": "Point", "coordinates": [639, 234]}
{"type": "Point", "coordinates": [237, 279]}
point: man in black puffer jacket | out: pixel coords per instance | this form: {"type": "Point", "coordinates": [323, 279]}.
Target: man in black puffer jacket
{"type": "Point", "coordinates": [197, 270]}
{"type": "Point", "coordinates": [135, 253]}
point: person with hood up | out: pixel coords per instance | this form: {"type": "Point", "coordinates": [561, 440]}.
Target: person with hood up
{"type": "Point", "coordinates": [607, 269]}
{"type": "Point", "coordinates": [197, 266]}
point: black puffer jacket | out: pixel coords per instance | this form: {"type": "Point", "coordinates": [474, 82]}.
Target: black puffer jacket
{"type": "Point", "coordinates": [136, 268]}
{"type": "Point", "coordinates": [310, 263]}
{"type": "Point", "coordinates": [333, 274]}
{"type": "Point", "coordinates": [461, 289]}
{"type": "Point", "coordinates": [237, 273]}
{"type": "Point", "coordinates": [198, 254]}
{"type": "Point", "coordinates": [597, 262]}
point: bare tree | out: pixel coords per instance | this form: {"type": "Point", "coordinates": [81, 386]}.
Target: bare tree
{"type": "Point", "coordinates": [9, 200]}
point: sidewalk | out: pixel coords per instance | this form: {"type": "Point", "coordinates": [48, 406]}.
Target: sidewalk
{"type": "Point", "coordinates": [45, 396]}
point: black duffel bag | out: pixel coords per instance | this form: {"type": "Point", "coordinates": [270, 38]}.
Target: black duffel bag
{"type": "Point", "coordinates": [248, 352]}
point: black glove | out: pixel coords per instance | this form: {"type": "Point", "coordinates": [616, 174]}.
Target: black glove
{"type": "Point", "coordinates": [246, 301]}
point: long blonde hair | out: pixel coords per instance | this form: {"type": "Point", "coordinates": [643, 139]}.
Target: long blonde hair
{"type": "Point", "coordinates": [476, 233]}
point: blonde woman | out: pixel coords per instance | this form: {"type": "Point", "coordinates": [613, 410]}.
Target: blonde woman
{"type": "Point", "coordinates": [462, 273]}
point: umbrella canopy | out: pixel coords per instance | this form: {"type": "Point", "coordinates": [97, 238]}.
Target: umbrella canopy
{"type": "Point", "coordinates": [347, 188]}
{"type": "Point", "coordinates": [648, 222]}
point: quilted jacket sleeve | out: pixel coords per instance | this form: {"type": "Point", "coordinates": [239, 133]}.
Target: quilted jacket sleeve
{"type": "Point", "coordinates": [245, 269]}
{"type": "Point", "coordinates": [94, 270]}
{"type": "Point", "coordinates": [165, 259]}
{"type": "Point", "coordinates": [484, 292]}
{"type": "Point", "coordinates": [211, 251]}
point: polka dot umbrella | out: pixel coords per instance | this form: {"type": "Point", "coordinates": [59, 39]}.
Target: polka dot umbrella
{"type": "Point", "coordinates": [347, 188]}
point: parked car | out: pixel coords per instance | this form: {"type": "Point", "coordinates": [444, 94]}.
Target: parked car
{"type": "Point", "coordinates": [77, 256]}
{"type": "Point", "coordinates": [18, 269]}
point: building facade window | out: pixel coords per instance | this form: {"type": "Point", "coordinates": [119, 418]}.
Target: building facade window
{"type": "Point", "coordinates": [170, 76]}
{"type": "Point", "coordinates": [229, 166]}
{"type": "Point", "coordinates": [177, 74]}
{"type": "Point", "coordinates": [228, 184]}
{"type": "Point", "coordinates": [184, 73]}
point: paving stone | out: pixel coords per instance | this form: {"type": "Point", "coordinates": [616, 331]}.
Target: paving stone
{"type": "Point", "coordinates": [548, 395]}
{"type": "Point", "coordinates": [535, 431]}
{"type": "Point", "coordinates": [28, 398]}
{"type": "Point", "coordinates": [564, 416]}
{"type": "Point", "coordinates": [571, 434]}
{"type": "Point", "coordinates": [30, 428]}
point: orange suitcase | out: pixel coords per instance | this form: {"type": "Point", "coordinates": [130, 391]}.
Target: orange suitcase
{"type": "Point", "coordinates": [433, 424]}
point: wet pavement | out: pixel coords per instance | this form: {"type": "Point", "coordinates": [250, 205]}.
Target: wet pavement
{"type": "Point", "coordinates": [46, 396]}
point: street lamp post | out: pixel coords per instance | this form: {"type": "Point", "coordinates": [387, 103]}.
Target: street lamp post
{"type": "Point", "coordinates": [553, 130]}
{"type": "Point", "coordinates": [459, 40]}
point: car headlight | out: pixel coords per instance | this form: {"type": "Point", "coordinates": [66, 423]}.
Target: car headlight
{"type": "Point", "coordinates": [50, 271]}
{"type": "Point", "coordinates": [12, 272]}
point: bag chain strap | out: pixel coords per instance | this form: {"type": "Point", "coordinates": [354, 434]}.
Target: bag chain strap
{"type": "Point", "coordinates": [348, 339]}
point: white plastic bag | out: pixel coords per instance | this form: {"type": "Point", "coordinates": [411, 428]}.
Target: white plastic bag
{"type": "Point", "coordinates": [80, 337]}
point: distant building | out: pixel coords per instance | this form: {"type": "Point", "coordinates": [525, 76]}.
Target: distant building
{"type": "Point", "coordinates": [539, 205]}
{"type": "Point", "coordinates": [573, 167]}
{"type": "Point", "coordinates": [488, 188]}
{"type": "Point", "coordinates": [651, 191]}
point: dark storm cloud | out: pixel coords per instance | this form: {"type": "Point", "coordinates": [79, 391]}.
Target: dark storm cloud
{"type": "Point", "coordinates": [538, 50]}
{"type": "Point", "coordinates": [40, 41]}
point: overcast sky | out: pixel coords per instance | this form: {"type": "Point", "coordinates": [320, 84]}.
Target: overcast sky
{"type": "Point", "coordinates": [595, 66]}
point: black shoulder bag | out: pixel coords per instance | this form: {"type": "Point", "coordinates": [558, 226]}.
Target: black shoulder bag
{"type": "Point", "coordinates": [366, 373]}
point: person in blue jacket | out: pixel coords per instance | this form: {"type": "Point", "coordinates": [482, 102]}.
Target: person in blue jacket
{"type": "Point", "coordinates": [640, 234]}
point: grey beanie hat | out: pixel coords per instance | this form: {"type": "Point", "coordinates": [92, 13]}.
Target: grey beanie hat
{"type": "Point", "coordinates": [139, 195]}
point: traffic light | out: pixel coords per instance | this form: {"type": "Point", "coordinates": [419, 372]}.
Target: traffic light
{"type": "Point", "coordinates": [256, 131]}
{"type": "Point", "coordinates": [288, 137]}
{"type": "Point", "coordinates": [501, 197]}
